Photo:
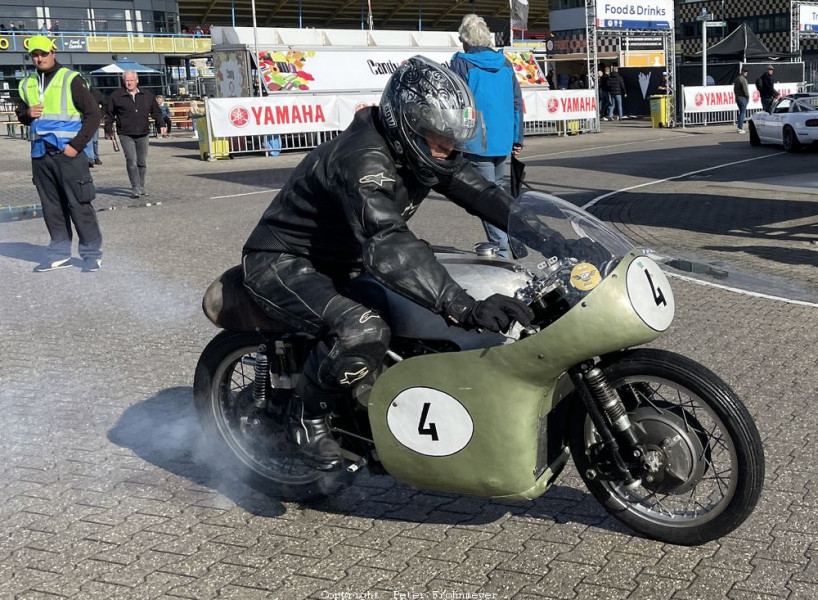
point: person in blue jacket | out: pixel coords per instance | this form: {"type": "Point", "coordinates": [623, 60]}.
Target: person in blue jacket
{"type": "Point", "coordinates": [496, 91]}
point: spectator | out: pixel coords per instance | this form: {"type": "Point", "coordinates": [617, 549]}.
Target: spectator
{"type": "Point", "coordinates": [491, 79]}
{"type": "Point", "coordinates": [130, 108]}
{"type": "Point", "coordinates": [55, 28]}
{"type": "Point", "coordinates": [742, 93]}
{"type": "Point", "coordinates": [11, 26]}
{"type": "Point", "coordinates": [2, 26]}
{"type": "Point", "coordinates": [198, 31]}
{"type": "Point", "coordinates": [664, 85]}
{"type": "Point", "coordinates": [166, 122]}
{"type": "Point", "coordinates": [616, 87]}
{"type": "Point", "coordinates": [604, 93]}
{"type": "Point", "coordinates": [44, 29]}
{"type": "Point", "coordinates": [61, 126]}
{"type": "Point", "coordinates": [21, 26]}
{"type": "Point", "coordinates": [95, 140]}
{"type": "Point", "coordinates": [768, 91]}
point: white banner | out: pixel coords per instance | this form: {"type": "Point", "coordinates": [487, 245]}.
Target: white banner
{"type": "Point", "coordinates": [299, 113]}
{"type": "Point", "coordinates": [808, 17]}
{"type": "Point", "coordinates": [714, 98]}
{"type": "Point", "coordinates": [634, 14]}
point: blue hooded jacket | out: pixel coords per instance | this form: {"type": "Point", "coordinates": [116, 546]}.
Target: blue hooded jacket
{"type": "Point", "coordinates": [497, 93]}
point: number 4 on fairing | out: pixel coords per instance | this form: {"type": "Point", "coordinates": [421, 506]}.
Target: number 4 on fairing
{"type": "Point", "coordinates": [658, 296]}
{"type": "Point", "coordinates": [431, 429]}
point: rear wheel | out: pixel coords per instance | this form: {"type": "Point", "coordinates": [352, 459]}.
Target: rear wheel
{"type": "Point", "coordinates": [703, 468]}
{"type": "Point", "coordinates": [256, 444]}
{"type": "Point", "coordinates": [754, 139]}
{"type": "Point", "coordinates": [790, 139]}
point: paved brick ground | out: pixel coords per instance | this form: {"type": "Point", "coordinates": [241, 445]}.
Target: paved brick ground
{"type": "Point", "coordinates": [110, 492]}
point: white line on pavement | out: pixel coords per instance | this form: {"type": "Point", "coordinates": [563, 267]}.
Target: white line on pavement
{"type": "Point", "coordinates": [246, 194]}
{"type": "Point", "coordinates": [692, 279]}
{"type": "Point", "coordinates": [688, 174]}
{"type": "Point", "coordinates": [740, 291]}
{"type": "Point", "coordinates": [575, 150]}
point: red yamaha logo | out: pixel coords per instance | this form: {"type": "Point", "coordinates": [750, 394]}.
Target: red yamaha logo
{"type": "Point", "coordinates": [756, 96]}
{"type": "Point", "coordinates": [698, 100]}
{"type": "Point", "coordinates": [239, 116]}
{"type": "Point", "coordinates": [553, 105]}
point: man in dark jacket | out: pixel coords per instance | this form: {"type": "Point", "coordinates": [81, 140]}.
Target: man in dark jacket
{"type": "Point", "coordinates": [62, 117]}
{"type": "Point", "coordinates": [768, 91]}
{"type": "Point", "coordinates": [741, 92]}
{"type": "Point", "coordinates": [130, 107]}
{"type": "Point", "coordinates": [344, 210]}
{"type": "Point", "coordinates": [491, 78]}
{"type": "Point", "coordinates": [616, 88]}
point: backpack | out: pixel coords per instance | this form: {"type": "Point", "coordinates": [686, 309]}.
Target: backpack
{"type": "Point", "coordinates": [759, 85]}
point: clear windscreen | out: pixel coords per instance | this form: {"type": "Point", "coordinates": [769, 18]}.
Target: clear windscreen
{"type": "Point", "coordinates": [535, 214]}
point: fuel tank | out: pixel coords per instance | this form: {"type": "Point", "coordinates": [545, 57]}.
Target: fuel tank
{"type": "Point", "coordinates": [480, 276]}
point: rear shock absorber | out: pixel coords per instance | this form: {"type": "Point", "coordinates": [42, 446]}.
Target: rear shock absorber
{"type": "Point", "coordinates": [260, 379]}
{"type": "Point", "coordinates": [611, 405]}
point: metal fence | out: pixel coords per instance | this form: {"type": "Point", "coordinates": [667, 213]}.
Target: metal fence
{"type": "Point", "coordinates": [213, 148]}
{"type": "Point", "coordinates": [713, 118]}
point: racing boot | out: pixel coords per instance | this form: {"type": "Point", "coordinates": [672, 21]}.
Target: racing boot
{"type": "Point", "coordinates": [313, 439]}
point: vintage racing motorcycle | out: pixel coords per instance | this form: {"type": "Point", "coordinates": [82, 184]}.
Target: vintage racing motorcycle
{"type": "Point", "coordinates": [663, 443]}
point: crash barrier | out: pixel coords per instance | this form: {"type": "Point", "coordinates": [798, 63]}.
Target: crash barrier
{"type": "Point", "coordinates": [714, 104]}
{"type": "Point", "coordinates": [300, 121]}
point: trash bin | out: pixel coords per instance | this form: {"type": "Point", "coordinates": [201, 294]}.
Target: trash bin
{"type": "Point", "coordinates": [659, 111]}
{"type": "Point", "coordinates": [221, 148]}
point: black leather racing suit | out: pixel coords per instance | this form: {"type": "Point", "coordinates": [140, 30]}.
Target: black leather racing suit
{"type": "Point", "coordinates": [345, 207]}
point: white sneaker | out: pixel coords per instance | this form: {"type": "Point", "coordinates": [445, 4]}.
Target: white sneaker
{"type": "Point", "coordinates": [604, 118]}
{"type": "Point", "coordinates": [53, 265]}
{"type": "Point", "coordinates": [740, 131]}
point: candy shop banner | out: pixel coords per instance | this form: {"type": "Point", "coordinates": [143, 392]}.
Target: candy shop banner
{"type": "Point", "coordinates": [342, 70]}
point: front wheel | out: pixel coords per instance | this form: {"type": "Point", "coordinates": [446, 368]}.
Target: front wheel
{"type": "Point", "coordinates": [754, 139]}
{"type": "Point", "coordinates": [790, 140]}
{"type": "Point", "coordinates": [255, 445]}
{"type": "Point", "coordinates": [703, 468]}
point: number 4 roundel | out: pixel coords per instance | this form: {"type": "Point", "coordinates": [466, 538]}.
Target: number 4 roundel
{"type": "Point", "coordinates": [429, 421]}
{"type": "Point", "coordinates": [650, 294]}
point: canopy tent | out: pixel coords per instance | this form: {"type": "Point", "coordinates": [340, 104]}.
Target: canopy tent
{"type": "Point", "coordinates": [123, 65]}
{"type": "Point", "coordinates": [741, 45]}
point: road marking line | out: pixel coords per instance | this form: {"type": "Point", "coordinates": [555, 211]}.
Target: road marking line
{"type": "Point", "coordinates": [692, 279]}
{"type": "Point", "coordinates": [741, 291]}
{"type": "Point", "coordinates": [688, 174]}
{"type": "Point", "coordinates": [574, 150]}
{"type": "Point", "coordinates": [246, 194]}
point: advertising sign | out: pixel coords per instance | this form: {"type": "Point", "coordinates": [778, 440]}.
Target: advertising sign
{"type": "Point", "coordinates": [634, 14]}
{"type": "Point", "coordinates": [298, 113]}
{"type": "Point", "coordinates": [74, 43]}
{"type": "Point", "coordinates": [808, 17]}
{"type": "Point", "coordinates": [714, 98]}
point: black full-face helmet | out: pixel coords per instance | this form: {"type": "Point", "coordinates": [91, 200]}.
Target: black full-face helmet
{"type": "Point", "coordinates": [424, 100]}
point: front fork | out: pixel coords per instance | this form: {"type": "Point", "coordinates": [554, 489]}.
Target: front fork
{"type": "Point", "coordinates": [608, 414]}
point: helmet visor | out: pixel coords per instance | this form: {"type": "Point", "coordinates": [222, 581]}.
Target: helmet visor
{"type": "Point", "coordinates": [455, 128]}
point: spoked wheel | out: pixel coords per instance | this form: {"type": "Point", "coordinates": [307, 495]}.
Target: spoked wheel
{"type": "Point", "coordinates": [256, 443]}
{"type": "Point", "coordinates": [703, 469]}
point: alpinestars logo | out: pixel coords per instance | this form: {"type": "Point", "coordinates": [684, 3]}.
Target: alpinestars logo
{"type": "Point", "coordinates": [378, 179]}
{"type": "Point", "coordinates": [350, 378]}
{"type": "Point", "coordinates": [368, 315]}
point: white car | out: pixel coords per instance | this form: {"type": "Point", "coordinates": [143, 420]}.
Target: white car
{"type": "Point", "coordinates": [792, 122]}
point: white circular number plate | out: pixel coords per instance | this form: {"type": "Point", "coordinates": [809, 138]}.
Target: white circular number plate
{"type": "Point", "coordinates": [429, 421]}
{"type": "Point", "coordinates": [650, 294]}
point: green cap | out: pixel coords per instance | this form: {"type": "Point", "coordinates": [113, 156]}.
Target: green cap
{"type": "Point", "coordinates": [40, 42]}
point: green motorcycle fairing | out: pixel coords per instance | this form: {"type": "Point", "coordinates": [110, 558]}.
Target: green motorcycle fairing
{"type": "Point", "coordinates": [470, 422]}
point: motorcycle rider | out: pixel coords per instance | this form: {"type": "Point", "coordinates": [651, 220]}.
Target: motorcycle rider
{"type": "Point", "coordinates": [344, 210]}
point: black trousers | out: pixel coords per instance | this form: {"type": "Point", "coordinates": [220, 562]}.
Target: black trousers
{"type": "Point", "coordinates": [353, 338]}
{"type": "Point", "coordinates": [66, 190]}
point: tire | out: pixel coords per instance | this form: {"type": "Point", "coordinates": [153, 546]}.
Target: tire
{"type": "Point", "coordinates": [754, 139]}
{"type": "Point", "coordinates": [263, 456]}
{"type": "Point", "coordinates": [692, 421]}
{"type": "Point", "coordinates": [790, 139]}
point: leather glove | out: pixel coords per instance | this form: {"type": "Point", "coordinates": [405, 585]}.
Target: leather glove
{"type": "Point", "coordinates": [584, 249]}
{"type": "Point", "coordinates": [587, 250]}
{"type": "Point", "coordinates": [495, 313]}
